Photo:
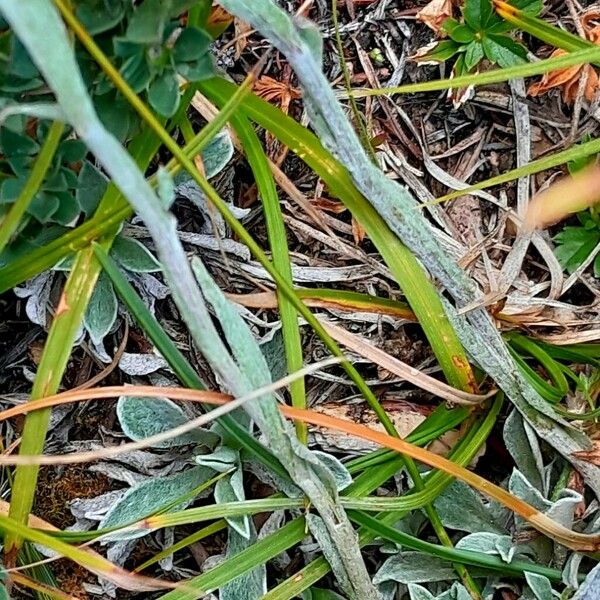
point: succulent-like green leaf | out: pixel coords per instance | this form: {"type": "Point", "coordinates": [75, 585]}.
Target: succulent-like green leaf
{"type": "Point", "coordinates": [143, 417]}
{"type": "Point", "coordinates": [152, 496]}
{"type": "Point", "coordinates": [91, 185]}
{"type": "Point", "coordinates": [231, 489]}
{"type": "Point", "coordinates": [133, 255]}
{"type": "Point", "coordinates": [101, 313]}
{"type": "Point", "coordinates": [217, 154]}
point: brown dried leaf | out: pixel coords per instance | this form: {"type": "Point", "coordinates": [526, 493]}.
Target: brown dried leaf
{"type": "Point", "coordinates": [435, 13]}
{"type": "Point", "coordinates": [568, 78]}
{"type": "Point", "coordinates": [358, 231]}
{"type": "Point", "coordinates": [242, 31]}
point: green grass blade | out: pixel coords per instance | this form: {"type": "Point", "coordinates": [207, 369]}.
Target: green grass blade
{"type": "Point", "coordinates": [462, 454]}
{"type": "Point", "coordinates": [579, 57]}
{"type": "Point", "coordinates": [42, 163]}
{"type": "Point", "coordinates": [276, 233]}
{"type": "Point", "coordinates": [542, 30]}
{"type": "Point", "coordinates": [579, 151]}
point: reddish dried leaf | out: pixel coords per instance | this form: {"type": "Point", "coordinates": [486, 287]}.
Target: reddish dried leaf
{"type": "Point", "coordinates": [592, 455]}
{"type": "Point", "coordinates": [275, 91]}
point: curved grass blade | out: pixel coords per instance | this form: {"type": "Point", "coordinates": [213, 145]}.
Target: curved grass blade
{"type": "Point", "coordinates": [10, 223]}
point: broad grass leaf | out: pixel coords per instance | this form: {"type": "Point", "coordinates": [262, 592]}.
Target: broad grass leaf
{"type": "Point", "coordinates": [152, 496]}
{"type": "Point", "coordinates": [133, 255]}
{"type": "Point", "coordinates": [460, 507]}
{"type": "Point", "coordinates": [414, 567]}
{"type": "Point", "coordinates": [101, 313]}
{"type": "Point", "coordinates": [143, 417]}
{"type": "Point", "coordinates": [243, 345]}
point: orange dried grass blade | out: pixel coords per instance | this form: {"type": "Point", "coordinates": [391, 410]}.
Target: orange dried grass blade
{"type": "Point", "coordinates": [563, 198]}
{"type": "Point", "coordinates": [574, 540]}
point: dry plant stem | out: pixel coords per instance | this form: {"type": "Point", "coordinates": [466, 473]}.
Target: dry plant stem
{"type": "Point", "coordinates": [382, 359]}
{"type": "Point", "coordinates": [574, 540]}
{"type": "Point", "coordinates": [396, 205]}
{"type": "Point", "coordinates": [39, 28]}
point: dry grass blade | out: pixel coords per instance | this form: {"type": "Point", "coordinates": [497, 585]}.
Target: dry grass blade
{"type": "Point", "coordinates": [567, 196]}
{"type": "Point", "coordinates": [228, 404]}
{"type": "Point", "coordinates": [401, 369]}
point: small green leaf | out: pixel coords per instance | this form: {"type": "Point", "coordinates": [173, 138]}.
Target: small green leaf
{"type": "Point", "coordinates": [339, 471]}
{"type": "Point", "coordinates": [503, 50]}
{"type": "Point", "coordinates": [136, 72]}
{"type": "Point", "coordinates": [540, 586]}
{"type": "Point", "coordinates": [531, 7]}
{"type": "Point", "coordinates": [197, 70]}
{"type": "Point", "coordinates": [165, 187]}
{"type": "Point", "coordinates": [99, 16]}
{"type": "Point", "coordinates": [44, 206]}
{"type": "Point", "coordinates": [412, 567]}
{"type": "Point", "coordinates": [574, 245]}
{"type": "Point", "coordinates": [133, 255]}
{"type": "Point", "coordinates": [231, 489]}
{"type": "Point", "coordinates": [439, 52]}
{"type": "Point", "coordinates": [72, 151]}
{"type": "Point", "coordinates": [191, 45]}
{"type": "Point", "coordinates": [163, 94]}
{"type": "Point", "coordinates": [460, 33]}
{"type": "Point", "coordinates": [147, 24]}
{"type": "Point", "coordinates": [101, 313]}
{"type": "Point", "coordinates": [68, 208]}
{"type": "Point", "coordinates": [91, 185]}
{"type": "Point", "coordinates": [473, 55]}
{"type": "Point", "coordinates": [13, 143]}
